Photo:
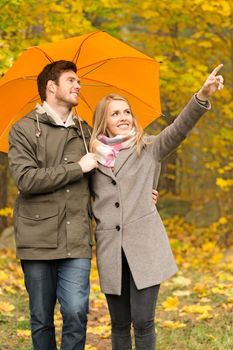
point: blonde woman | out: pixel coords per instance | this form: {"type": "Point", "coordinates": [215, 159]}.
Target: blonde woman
{"type": "Point", "coordinates": [133, 251]}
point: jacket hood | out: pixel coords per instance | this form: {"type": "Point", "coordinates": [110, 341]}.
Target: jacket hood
{"type": "Point", "coordinates": [41, 116]}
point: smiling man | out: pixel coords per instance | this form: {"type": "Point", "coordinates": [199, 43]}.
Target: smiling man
{"type": "Point", "coordinates": [50, 167]}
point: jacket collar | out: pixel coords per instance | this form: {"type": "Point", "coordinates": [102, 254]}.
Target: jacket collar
{"type": "Point", "coordinates": [45, 118]}
{"type": "Point", "coordinates": [50, 111]}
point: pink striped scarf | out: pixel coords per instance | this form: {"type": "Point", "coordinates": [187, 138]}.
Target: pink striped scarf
{"type": "Point", "coordinates": [107, 148]}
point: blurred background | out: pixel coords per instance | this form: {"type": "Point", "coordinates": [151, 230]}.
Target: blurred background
{"type": "Point", "coordinates": [190, 38]}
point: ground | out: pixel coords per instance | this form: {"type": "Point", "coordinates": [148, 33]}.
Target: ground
{"type": "Point", "coordinates": [194, 308]}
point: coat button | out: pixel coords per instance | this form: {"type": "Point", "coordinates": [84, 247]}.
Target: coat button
{"type": "Point", "coordinates": [118, 228]}
{"type": "Point", "coordinates": [37, 216]}
{"type": "Point", "coordinates": [67, 190]}
{"type": "Point", "coordinates": [117, 205]}
{"type": "Point", "coordinates": [68, 222]}
{"type": "Point", "coordinates": [65, 158]}
{"type": "Point", "coordinates": [114, 182]}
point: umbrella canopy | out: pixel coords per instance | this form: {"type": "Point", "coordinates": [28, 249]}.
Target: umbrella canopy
{"type": "Point", "coordinates": [105, 65]}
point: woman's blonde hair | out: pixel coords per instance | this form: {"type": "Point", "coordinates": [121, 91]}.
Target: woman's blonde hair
{"type": "Point", "coordinates": [100, 120]}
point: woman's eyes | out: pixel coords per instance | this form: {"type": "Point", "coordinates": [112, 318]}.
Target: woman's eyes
{"type": "Point", "coordinates": [115, 114]}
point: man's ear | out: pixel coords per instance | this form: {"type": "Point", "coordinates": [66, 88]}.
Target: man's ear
{"type": "Point", "coordinates": [51, 86]}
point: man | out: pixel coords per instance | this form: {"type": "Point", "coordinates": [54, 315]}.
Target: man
{"type": "Point", "coordinates": [50, 167]}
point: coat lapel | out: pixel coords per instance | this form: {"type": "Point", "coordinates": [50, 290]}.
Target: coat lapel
{"type": "Point", "coordinates": [122, 158]}
{"type": "Point", "coordinates": [120, 161]}
{"type": "Point", "coordinates": [107, 171]}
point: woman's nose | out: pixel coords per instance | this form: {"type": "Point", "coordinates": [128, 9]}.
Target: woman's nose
{"type": "Point", "coordinates": [122, 116]}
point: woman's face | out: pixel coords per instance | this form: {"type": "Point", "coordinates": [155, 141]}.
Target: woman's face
{"type": "Point", "coordinates": [119, 118]}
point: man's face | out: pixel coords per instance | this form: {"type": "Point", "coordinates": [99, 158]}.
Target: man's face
{"type": "Point", "coordinates": [66, 92]}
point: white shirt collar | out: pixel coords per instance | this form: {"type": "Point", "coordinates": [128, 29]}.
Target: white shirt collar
{"type": "Point", "coordinates": [49, 110]}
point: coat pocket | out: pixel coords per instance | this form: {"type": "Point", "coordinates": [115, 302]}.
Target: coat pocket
{"type": "Point", "coordinates": [37, 225]}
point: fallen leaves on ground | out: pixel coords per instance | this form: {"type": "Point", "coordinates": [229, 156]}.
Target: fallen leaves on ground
{"type": "Point", "coordinates": [201, 292]}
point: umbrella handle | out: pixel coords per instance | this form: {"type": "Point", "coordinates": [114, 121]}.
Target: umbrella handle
{"type": "Point", "coordinates": [83, 137]}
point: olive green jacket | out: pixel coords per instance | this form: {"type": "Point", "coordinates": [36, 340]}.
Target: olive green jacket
{"type": "Point", "coordinates": [51, 214]}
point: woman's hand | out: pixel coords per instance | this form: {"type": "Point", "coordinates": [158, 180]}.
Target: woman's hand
{"type": "Point", "coordinates": [213, 83]}
{"type": "Point", "coordinates": [155, 196]}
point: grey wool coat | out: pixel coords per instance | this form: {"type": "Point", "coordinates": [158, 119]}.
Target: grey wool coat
{"type": "Point", "coordinates": [126, 217]}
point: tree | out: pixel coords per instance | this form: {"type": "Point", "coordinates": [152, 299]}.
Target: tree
{"type": "Point", "coordinates": [190, 37]}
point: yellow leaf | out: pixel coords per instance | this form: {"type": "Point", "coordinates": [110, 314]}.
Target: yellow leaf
{"type": "Point", "coordinates": [6, 212]}
{"type": "Point", "coordinates": [6, 307]}
{"type": "Point", "coordinates": [219, 290]}
{"type": "Point", "coordinates": [207, 247]}
{"type": "Point", "coordinates": [23, 333]}
{"type": "Point", "coordinates": [211, 337]}
{"type": "Point", "coordinates": [196, 309]}
{"type": "Point", "coordinates": [95, 287]}
{"type": "Point", "coordinates": [205, 316]}
{"type": "Point", "coordinates": [3, 276]}
{"type": "Point", "coordinates": [223, 220]}
{"type": "Point", "coordinates": [205, 300]}
{"type": "Point", "coordinates": [105, 319]}
{"type": "Point", "coordinates": [181, 293]}
{"type": "Point", "coordinates": [181, 281]}
{"type": "Point", "coordinates": [200, 288]}
{"type": "Point", "coordinates": [172, 324]}
{"type": "Point", "coordinates": [171, 303]}
{"type": "Point", "coordinates": [10, 290]}
{"type": "Point", "coordinates": [216, 258]}
{"type": "Point", "coordinates": [103, 331]}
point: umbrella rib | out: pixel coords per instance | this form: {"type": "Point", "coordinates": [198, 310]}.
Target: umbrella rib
{"type": "Point", "coordinates": [116, 87]}
{"type": "Point", "coordinates": [85, 101]}
{"type": "Point", "coordinates": [46, 55]}
{"type": "Point", "coordinates": [35, 98]}
{"type": "Point", "coordinates": [96, 85]}
{"type": "Point", "coordinates": [92, 70]}
{"type": "Point", "coordinates": [76, 56]}
{"type": "Point", "coordinates": [20, 78]}
{"type": "Point", "coordinates": [118, 58]}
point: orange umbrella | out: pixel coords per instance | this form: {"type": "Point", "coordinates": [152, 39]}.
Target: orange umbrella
{"type": "Point", "coordinates": [105, 65]}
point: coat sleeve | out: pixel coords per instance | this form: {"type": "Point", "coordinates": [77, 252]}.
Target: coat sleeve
{"type": "Point", "coordinates": [171, 137]}
{"type": "Point", "coordinates": [28, 176]}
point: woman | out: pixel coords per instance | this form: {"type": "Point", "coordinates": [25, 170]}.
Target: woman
{"type": "Point", "coordinates": [133, 252]}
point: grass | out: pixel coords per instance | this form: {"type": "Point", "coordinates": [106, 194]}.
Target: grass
{"type": "Point", "coordinates": [194, 309]}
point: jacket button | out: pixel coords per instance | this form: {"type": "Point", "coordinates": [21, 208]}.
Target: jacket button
{"type": "Point", "coordinates": [65, 158]}
{"type": "Point", "coordinates": [118, 228]}
{"type": "Point", "coordinates": [37, 216]}
{"type": "Point", "coordinates": [117, 205]}
{"type": "Point", "coordinates": [114, 182]}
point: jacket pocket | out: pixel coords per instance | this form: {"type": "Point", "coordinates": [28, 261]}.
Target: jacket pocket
{"type": "Point", "coordinates": [37, 225]}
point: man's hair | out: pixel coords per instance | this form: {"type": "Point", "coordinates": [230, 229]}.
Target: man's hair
{"type": "Point", "coordinates": [53, 71]}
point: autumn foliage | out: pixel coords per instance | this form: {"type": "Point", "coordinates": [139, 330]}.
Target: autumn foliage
{"type": "Point", "coordinates": [189, 37]}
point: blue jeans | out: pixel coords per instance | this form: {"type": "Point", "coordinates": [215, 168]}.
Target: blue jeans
{"type": "Point", "coordinates": [68, 281]}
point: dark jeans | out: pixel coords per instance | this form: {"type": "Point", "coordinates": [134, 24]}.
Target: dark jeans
{"type": "Point", "coordinates": [68, 281]}
{"type": "Point", "coordinates": [136, 307]}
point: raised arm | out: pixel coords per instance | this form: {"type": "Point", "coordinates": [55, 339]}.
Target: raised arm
{"type": "Point", "coordinates": [171, 137]}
